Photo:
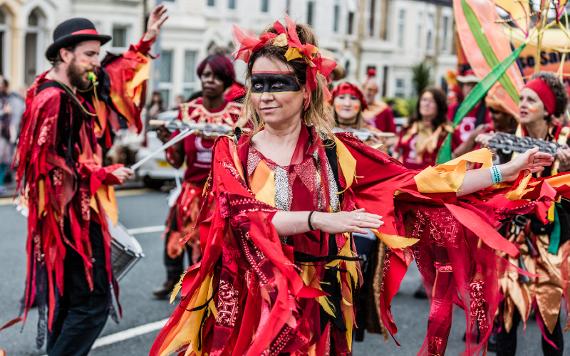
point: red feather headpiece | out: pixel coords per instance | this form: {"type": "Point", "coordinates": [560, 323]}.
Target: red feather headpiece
{"type": "Point", "coordinates": [286, 37]}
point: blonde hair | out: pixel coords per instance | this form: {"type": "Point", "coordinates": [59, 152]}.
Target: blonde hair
{"type": "Point", "coordinates": [318, 112]}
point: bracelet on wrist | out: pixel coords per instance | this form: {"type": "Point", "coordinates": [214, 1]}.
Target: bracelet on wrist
{"type": "Point", "coordinates": [309, 223]}
{"type": "Point", "coordinates": [496, 175]}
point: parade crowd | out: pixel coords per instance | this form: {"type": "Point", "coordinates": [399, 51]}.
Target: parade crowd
{"type": "Point", "coordinates": [302, 203]}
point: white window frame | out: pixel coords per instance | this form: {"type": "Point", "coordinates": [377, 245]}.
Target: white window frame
{"type": "Point", "coordinates": [336, 17]}
{"type": "Point", "coordinates": [40, 31]}
{"type": "Point", "coordinates": [400, 91]}
{"type": "Point", "coordinates": [5, 28]}
{"type": "Point", "coordinates": [445, 21]}
{"type": "Point", "coordinates": [195, 84]}
{"type": "Point", "coordinates": [401, 28]}
{"type": "Point", "coordinates": [168, 86]}
{"type": "Point", "coordinates": [128, 30]}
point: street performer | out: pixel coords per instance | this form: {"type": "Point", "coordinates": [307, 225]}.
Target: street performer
{"type": "Point", "coordinates": [71, 110]}
{"type": "Point", "coordinates": [543, 243]}
{"type": "Point", "coordinates": [217, 76]}
{"type": "Point", "coordinates": [279, 268]}
{"type": "Point", "coordinates": [349, 104]}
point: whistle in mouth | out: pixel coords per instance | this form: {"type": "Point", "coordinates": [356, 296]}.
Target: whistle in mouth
{"type": "Point", "coordinates": [92, 77]}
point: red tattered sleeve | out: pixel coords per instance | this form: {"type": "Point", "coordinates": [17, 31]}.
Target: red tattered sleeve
{"type": "Point", "coordinates": [128, 75]}
{"type": "Point", "coordinates": [383, 186]}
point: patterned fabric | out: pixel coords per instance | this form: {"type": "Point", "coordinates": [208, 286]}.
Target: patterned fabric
{"type": "Point", "coordinates": [543, 288]}
{"type": "Point", "coordinates": [296, 295]}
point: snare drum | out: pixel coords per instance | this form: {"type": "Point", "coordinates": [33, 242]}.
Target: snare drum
{"type": "Point", "coordinates": [125, 250]}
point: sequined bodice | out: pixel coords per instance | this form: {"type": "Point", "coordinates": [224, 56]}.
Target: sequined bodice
{"type": "Point", "coordinates": [294, 181]}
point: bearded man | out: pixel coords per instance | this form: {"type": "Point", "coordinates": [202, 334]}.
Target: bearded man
{"type": "Point", "coordinates": [71, 111]}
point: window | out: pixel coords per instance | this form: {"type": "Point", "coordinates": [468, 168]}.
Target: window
{"type": "Point", "coordinates": [211, 3]}
{"type": "Point", "coordinates": [419, 30]}
{"type": "Point", "coordinates": [165, 75]}
{"type": "Point", "coordinates": [264, 5]}
{"type": "Point", "coordinates": [350, 23]}
{"type": "Point", "coordinates": [120, 33]}
{"type": "Point", "coordinates": [401, 27]}
{"type": "Point", "coordinates": [336, 16]}
{"type": "Point", "coordinates": [372, 17]}
{"type": "Point", "coordinates": [310, 13]}
{"type": "Point", "coordinates": [33, 44]}
{"type": "Point", "coordinates": [190, 84]}
{"type": "Point", "coordinates": [445, 34]}
{"type": "Point", "coordinates": [400, 91]}
{"type": "Point", "coordinates": [232, 4]}
{"type": "Point", "coordinates": [3, 30]}
{"type": "Point", "coordinates": [429, 36]}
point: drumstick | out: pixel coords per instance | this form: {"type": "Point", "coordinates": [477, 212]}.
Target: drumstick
{"type": "Point", "coordinates": [182, 135]}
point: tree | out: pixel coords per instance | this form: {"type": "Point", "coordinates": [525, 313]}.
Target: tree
{"type": "Point", "coordinates": [421, 76]}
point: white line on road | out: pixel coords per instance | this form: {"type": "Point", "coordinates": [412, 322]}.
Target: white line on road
{"type": "Point", "coordinates": [128, 334]}
{"type": "Point", "coordinates": [145, 229]}
{"type": "Point", "coordinates": [119, 194]}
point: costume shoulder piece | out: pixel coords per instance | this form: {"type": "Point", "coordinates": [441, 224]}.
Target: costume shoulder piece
{"type": "Point", "coordinates": [196, 112]}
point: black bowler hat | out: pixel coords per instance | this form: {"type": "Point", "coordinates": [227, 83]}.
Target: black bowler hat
{"type": "Point", "coordinates": [73, 31]}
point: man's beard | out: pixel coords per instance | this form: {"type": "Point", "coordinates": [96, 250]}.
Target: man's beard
{"type": "Point", "coordinates": [75, 75]}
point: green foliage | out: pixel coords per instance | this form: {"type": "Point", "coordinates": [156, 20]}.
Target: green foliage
{"type": "Point", "coordinates": [402, 107]}
{"type": "Point", "coordinates": [421, 76]}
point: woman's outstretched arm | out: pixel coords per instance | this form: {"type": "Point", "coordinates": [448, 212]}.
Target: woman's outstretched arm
{"type": "Point", "coordinates": [531, 160]}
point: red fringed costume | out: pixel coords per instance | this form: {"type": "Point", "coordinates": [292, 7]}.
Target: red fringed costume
{"type": "Point", "coordinates": [257, 293]}
{"type": "Point", "coordinates": [60, 173]}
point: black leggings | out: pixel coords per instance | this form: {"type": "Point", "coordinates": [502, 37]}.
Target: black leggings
{"type": "Point", "coordinates": [507, 341]}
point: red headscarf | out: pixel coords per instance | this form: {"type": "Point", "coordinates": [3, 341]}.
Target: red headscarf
{"type": "Point", "coordinates": [544, 92]}
{"type": "Point", "coordinates": [348, 88]}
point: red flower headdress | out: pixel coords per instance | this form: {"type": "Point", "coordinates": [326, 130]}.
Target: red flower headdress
{"type": "Point", "coordinates": [286, 37]}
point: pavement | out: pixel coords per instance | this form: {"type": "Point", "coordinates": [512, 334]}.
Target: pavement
{"type": "Point", "coordinates": [144, 212]}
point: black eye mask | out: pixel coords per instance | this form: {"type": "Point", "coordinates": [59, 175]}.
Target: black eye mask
{"type": "Point", "coordinates": [274, 83]}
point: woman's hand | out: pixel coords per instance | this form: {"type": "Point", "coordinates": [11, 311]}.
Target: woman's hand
{"type": "Point", "coordinates": [122, 174]}
{"type": "Point", "coordinates": [155, 20]}
{"type": "Point", "coordinates": [346, 221]}
{"type": "Point", "coordinates": [563, 156]}
{"type": "Point", "coordinates": [531, 160]}
{"type": "Point", "coordinates": [484, 138]}
{"type": "Point", "coordinates": [174, 247]}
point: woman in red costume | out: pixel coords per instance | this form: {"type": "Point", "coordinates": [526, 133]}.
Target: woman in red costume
{"type": "Point", "coordinates": [279, 268]}
{"type": "Point", "coordinates": [217, 75]}
{"type": "Point", "coordinates": [421, 139]}
{"type": "Point", "coordinates": [542, 242]}
{"type": "Point", "coordinates": [348, 104]}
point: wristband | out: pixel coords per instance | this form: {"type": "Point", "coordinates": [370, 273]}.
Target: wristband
{"type": "Point", "coordinates": [496, 176]}
{"type": "Point", "coordinates": [311, 228]}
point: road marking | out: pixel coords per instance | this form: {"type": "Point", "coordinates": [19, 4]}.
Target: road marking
{"type": "Point", "coordinates": [145, 229]}
{"type": "Point", "coordinates": [119, 194]}
{"type": "Point", "coordinates": [130, 192]}
{"type": "Point", "coordinates": [6, 201]}
{"type": "Point", "coordinates": [128, 334]}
